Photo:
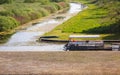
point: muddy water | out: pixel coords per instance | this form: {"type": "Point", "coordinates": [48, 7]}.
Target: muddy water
{"type": "Point", "coordinates": [25, 40]}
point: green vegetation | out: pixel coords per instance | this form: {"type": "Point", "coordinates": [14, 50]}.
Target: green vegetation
{"type": "Point", "coordinates": [7, 23]}
{"type": "Point", "coordinates": [14, 13]}
{"type": "Point", "coordinates": [4, 38]}
{"type": "Point", "coordinates": [6, 1]}
{"type": "Point", "coordinates": [101, 17]}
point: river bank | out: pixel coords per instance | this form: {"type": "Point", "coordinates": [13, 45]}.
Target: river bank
{"type": "Point", "coordinates": [26, 39]}
{"type": "Point", "coordinates": [15, 14]}
{"type": "Point", "coordinates": [92, 21]}
{"type": "Point", "coordinates": [36, 21]}
{"type": "Point", "coordinates": [4, 36]}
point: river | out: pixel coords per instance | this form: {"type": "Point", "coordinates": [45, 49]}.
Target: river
{"type": "Point", "coordinates": [25, 39]}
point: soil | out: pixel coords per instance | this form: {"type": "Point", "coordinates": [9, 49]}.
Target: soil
{"type": "Point", "coordinates": [60, 63]}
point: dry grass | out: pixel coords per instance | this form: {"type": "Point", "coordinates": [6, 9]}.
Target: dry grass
{"type": "Point", "coordinates": [60, 63]}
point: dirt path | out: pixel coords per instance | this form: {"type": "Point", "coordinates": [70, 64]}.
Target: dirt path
{"type": "Point", "coordinates": [60, 63]}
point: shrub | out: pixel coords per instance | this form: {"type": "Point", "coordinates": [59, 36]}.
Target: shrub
{"type": "Point", "coordinates": [57, 0]}
{"type": "Point", "coordinates": [6, 1]}
{"type": "Point", "coordinates": [21, 15]}
{"type": "Point", "coordinates": [43, 12]}
{"type": "Point", "coordinates": [57, 6]}
{"type": "Point", "coordinates": [49, 8]}
{"type": "Point", "coordinates": [40, 1]}
{"type": "Point", "coordinates": [6, 13]}
{"type": "Point", "coordinates": [35, 15]}
{"type": "Point", "coordinates": [24, 11]}
{"type": "Point", "coordinates": [44, 2]}
{"type": "Point", "coordinates": [7, 23]}
{"type": "Point", "coordinates": [30, 1]}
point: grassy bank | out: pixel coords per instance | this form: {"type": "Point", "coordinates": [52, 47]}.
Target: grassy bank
{"type": "Point", "coordinates": [16, 13]}
{"type": "Point", "coordinates": [96, 19]}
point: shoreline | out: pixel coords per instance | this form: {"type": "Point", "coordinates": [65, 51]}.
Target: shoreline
{"type": "Point", "coordinates": [4, 36]}
{"type": "Point", "coordinates": [31, 22]}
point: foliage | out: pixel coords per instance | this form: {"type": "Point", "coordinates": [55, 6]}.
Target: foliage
{"type": "Point", "coordinates": [40, 1]}
{"type": "Point", "coordinates": [6, 13]}
{"type": "Point", "coordinates": [30, 1]}
{"type": "Point", "coordinates": [6, 1]}
{"type": "Point", "coordinates": [4, 38]}
{"type": "Point", "coordinates": [57, 6]}
{"type": "Point", "coordinates": [7, 23]}
{"type": "Point", "coordinates": [57, 0]}
{"type": "Point", "coordinates": [24, 11]}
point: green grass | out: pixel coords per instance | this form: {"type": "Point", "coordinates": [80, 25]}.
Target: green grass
{"type": "Point", "coordinates": [93, 20]}
{"type": "Point", "coordinates": [87, 19]}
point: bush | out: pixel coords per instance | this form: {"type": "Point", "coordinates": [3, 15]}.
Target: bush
{"type": "Point", "coordinates": [40, 1]}
{"type": "Point", "coordinates": [6, 13]}
{"type": "Point", "coordinates": [43, 12]}
{"type": "Point", "coordinates": [50, 8]}
{"type": "Point", "coordinates": [21, 15]}
{"type": "Point", "coordinates": [24, 11]}
{"type": "Point", "coordinates": [6, 1]}
{"type": "Point", "coordinates": [35, 15]}
{"type": "Point", "coordinates": [44, 2]}
{"type": "Point", "coordinates": [57, 0]}
{"type": "Point", "coordinates": [57, 6]}
{"type": "Point", "coordinates": [7, 23]}
{"type": "Point", "coordinates": [30, 1]}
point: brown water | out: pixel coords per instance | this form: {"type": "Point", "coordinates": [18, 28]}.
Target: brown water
{"type": "Point", "coordinates": [25, 40]}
